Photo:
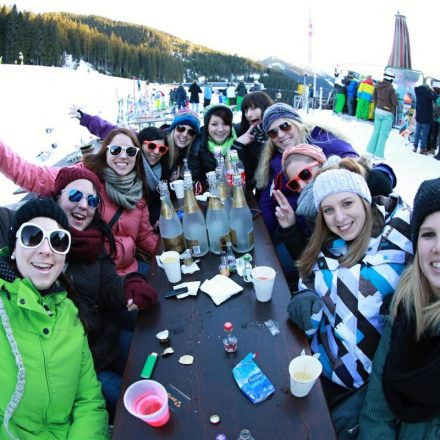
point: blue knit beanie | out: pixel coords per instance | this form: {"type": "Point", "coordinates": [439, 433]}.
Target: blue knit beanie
{"type": "Point", "coordinates": [186, 116]}
{"type": "Point", "coordinates": [279, 111]}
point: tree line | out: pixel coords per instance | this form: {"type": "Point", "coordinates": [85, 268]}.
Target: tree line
{"type": "Point", "coordinates": [119, 49]}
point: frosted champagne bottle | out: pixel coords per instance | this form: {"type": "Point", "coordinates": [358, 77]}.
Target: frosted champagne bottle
{"type": "Point", "coordinates": [170, 226]}
{"type": "Point", "coordinates": [194, 225]}
{"type": "Point", "coordinates": [217, 220]}
{"type": "Point", "coordinates": [240, 220]}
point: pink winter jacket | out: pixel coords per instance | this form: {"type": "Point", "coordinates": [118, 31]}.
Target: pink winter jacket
{"type": "Point", "coordinates": [132, 230]}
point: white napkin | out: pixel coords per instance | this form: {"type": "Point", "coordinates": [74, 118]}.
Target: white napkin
{"type": "Point", "coordinates": [220, 288]}
{"type": "Point", "coordinates": [192, 286]}
{"type": "Point", "coordinates": [190, 269]}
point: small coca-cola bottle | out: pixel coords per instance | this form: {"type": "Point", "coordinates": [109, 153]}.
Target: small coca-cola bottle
{"type": "Point", "coordinates": [229, 339]}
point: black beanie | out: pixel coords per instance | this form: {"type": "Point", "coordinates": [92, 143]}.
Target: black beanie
{"type": "Point", "coordinates": [426, 201]}
{"type": "Point", "coordinates": [36, 208]}
{"type": "Point", "coordinates": [379, 183]}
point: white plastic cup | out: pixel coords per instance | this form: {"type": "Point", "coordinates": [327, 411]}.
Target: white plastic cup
{"type": "Point", "coordinates": [177, 187]}
{"type": "Point", "coordinates": [170, 262]}
{"type": "Point", "coordinates": [303, 371]}
{"type": "Point", "coordinates": [148, 401]}
{"type": "Point", "coordinates": [263, 278]}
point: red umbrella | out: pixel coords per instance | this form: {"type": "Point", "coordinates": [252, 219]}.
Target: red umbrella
{"type": "Point", "coordinates": [401, 51]}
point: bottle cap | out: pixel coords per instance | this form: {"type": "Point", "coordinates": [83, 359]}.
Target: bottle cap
{"type": "Point", "coordinates": [228, 326]}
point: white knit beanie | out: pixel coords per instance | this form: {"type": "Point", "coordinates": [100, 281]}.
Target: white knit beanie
{"type": "Point", "coordinates": [337, 181]}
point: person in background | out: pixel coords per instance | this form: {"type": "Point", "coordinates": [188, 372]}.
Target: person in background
{"type": "Point", "coordinates": [385, 100]}
{"type": "Point", "coordinates": [364, 96]}
{"type": "Point", "coordinates": [437, 114]}
{"type": "Point", "coordinates": [403, 396]}
{"type": "Point", "coordinates": [340, 91]}
{"type": "Point", "coordinates": [207, 95]}
{"type": "Point", "coordinates": [351, 95]}
{"type": "Point", "coordinates": [349, 272]}
{"type": "Point", "coordinates": [122, 187]}
{"type": "Point", "coordinates": [48, 381]}
{"type": "Point", "coordinates": [230, 95]}
{"type": "Point", "coordinates": [181, 97]}
{"type": "Point", "coordinates": [241, 92]}
{"type": "Point", "coordinates": [424, 116]}
{"type": "Point", "coordinates": [194, 90]}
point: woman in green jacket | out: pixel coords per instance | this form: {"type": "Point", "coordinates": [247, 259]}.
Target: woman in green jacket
{"type": "Point", "coordinates": [403, 395]}
{"type": "Point", "coordinates": [48, 382]}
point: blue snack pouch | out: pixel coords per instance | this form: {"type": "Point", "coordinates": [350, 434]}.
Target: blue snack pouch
{"type": "Point", "coordinates": [251, 380]}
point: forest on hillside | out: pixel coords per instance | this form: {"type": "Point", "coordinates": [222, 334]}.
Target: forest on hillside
{"type": "Point", "coordinates": [120, 49]}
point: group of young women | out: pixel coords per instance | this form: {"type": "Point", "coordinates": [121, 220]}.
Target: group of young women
{"type": "Point", "coordinates": [76, 261]}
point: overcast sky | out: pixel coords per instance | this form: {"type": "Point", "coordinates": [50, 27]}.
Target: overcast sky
{"type": "Point", "coordinates": [351, 33]}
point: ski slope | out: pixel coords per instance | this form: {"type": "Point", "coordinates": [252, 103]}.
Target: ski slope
{"type": "Point", "coordinates": [35, 98]}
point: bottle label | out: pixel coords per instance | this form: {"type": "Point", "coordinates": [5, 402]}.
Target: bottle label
{"type": "Point", "coordinates": [193, 245]}
{"type": "Point", "coordinates": [174, 244]}
{"type": "Point", "coordinates": [234, 237]}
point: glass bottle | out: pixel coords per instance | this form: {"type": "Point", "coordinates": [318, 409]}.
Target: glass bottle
{"type": "Point", "coordinates": [245, 434]}
{"type": "Point", "coordinates": [170, 226]}
{"type": "Point", "coordinates": [240, 220]}
{"type": "Point", "coordinates": [247, 268]}
{"type": "Point", "coordinates": [216, 219]}
{"type": "Point", "coordinates": [237, 166]}
{"type": "Point", "coordinates": [194, 225]}
{"type": "Point", "coordinates": [230, 258]}
{"type": "Point", "coordinates": [229, 339]}
{"type": "Point", "coordinates": [223, 188]}
{"type": "Point", "coordinates": [185, 168]}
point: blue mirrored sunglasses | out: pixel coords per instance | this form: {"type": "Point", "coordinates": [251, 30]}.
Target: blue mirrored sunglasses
{"type": "Point", "coordinates": [75, 196]}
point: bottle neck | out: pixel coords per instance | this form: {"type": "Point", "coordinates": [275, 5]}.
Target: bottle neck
{"type": "Point", "coordinates": [166, 207]}
{"type": "Point", "coordinates": [239, 200]}
{"type": "Point", "coordinates": [190, 204]}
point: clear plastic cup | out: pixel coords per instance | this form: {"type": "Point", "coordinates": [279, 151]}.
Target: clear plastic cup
{"type": "Point", "coordinates": [148, 400]}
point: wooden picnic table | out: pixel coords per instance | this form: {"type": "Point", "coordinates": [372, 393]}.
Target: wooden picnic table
{"type": "Point", "coordinates": [207, 386]}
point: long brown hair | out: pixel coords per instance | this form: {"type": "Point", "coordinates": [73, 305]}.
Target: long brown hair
{"type": "Point", "coordinates": [98, 161]}
{"type": "Point", "coordinates": [322, 236]}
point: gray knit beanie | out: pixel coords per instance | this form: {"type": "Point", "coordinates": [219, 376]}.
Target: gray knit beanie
{"type": "Point", "coordinates": [279, 111]}
{"type": "Point", "coordinates": [339, 180]}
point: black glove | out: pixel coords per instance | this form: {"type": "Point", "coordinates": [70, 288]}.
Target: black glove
{"type": "Point", "coordinates": [302, 306]}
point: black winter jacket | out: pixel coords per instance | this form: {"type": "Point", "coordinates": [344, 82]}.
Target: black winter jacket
{"type": "Point", "coordinates": [425, 97]}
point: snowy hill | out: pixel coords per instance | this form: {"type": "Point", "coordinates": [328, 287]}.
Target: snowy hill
{"type": "Point", "coordinates": [36, 98]}
{"type": "Point", "coordinates": [297, 73]}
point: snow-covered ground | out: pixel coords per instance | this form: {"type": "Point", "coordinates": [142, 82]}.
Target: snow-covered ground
{"type": "Point", "coordinates": [33, 99]}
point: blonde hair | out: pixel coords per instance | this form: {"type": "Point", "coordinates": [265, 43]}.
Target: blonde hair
{"type": "Point", "coordinates": [415, 295]}
{"type": "Point", "coordinates": [172, 152]}
{"type": "Point", "coordinates": [263, 169]}
{"type": "Point", "coordinates": [322, 235]}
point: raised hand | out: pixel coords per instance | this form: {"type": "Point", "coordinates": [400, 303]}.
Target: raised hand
{"type": "Point", "coordinates": [75, 112]}
{"type": "Point", "coordinates": [284, 212]}
{"type": "Point", "coordinates": [247, 138]}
